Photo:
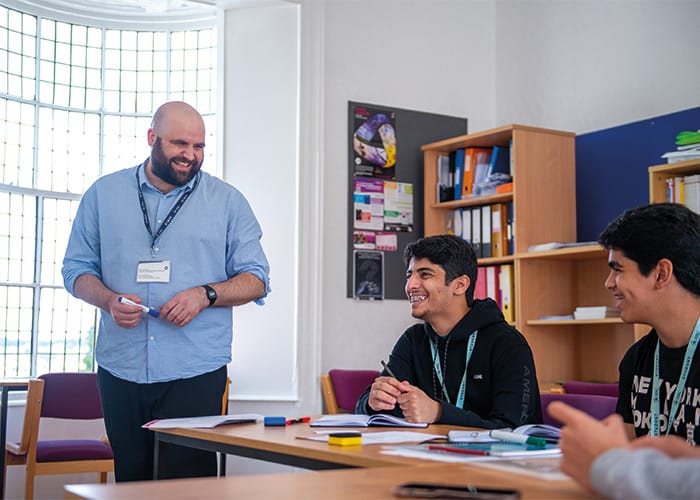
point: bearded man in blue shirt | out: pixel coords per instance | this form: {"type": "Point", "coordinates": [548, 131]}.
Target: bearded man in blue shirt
{"type": "Point", "coordinates": [166, 235]}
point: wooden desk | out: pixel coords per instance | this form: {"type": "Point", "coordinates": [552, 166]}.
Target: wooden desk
{"type": "Point", "coordinates": [7, 386]}
{"type": "Point", "coordinates": [281, 445]}
{"type": "Point", "coordinates": [377, 483]}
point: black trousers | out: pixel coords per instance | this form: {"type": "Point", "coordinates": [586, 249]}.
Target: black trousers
{"type": "Point", "coordinates": [128, 405]}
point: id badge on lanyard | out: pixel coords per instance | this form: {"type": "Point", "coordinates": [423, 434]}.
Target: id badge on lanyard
{"type": "Point", "coordinates": [153, 271]}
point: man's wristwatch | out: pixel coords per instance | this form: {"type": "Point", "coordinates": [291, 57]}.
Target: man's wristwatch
{"type": "Point", "coordinates": [211, 294]}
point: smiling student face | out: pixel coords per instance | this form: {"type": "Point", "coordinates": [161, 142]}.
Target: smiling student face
{"type": "Point", "coordinates": [430, 298]}
{"type": "Point", "coordinates": [632, 290]}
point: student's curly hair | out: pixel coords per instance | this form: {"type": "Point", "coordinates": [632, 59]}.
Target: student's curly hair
{"type": "Point", "coordinates": [650, 233]}
{"type": "Point", "coordinates": [453, 254]}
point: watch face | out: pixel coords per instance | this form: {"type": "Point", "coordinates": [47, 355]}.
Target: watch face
{"type": "Point", "coordinates": [211, 294]}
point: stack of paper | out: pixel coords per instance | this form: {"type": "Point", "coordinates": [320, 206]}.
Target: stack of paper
{"type": "Point", "coordinates": [596, 312]}
{"type": "Point", "coordinates": [687, 147]}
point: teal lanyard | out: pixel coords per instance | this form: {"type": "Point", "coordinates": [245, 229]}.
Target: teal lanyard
{"type": "Point", "coordinates": [438, 369]}
{"type": "Point", "coordinates": [680, 388]}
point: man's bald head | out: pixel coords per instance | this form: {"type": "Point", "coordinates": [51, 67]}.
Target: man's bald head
{"type": "Point", "coordinates": [175, 111]}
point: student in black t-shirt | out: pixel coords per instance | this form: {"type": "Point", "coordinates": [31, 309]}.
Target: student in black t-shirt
{"type": "Point", "coordinates": [655, 278]}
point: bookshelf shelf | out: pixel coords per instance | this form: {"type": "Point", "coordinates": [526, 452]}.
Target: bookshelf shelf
{"type": "Point", "coordinates": [474, 201]}
{"type": "Point", "coordinates": [570, 322]}
{"type": "Point", "coordinates": [493, 261]}
{"type": "Point", "coordinates": [572, 253]}
{"type": "Point", "coordinates": [658, 174]}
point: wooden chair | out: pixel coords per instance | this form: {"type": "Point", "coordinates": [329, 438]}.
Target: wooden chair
{"type": "Point", "coordinates": [63, 396]}
{"type": "Point", "coordinates": [342, 388]}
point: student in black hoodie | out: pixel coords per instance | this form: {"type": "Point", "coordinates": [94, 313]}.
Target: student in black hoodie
{"type": "Point", "coordinates": [464, 365]}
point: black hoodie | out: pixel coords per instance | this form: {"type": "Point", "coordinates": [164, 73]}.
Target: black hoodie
{"type": "Point", "coordinates": [502, 386]}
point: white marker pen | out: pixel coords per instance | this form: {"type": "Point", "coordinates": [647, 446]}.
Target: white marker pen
{"type": "Point", "coordinates": [146, 309]}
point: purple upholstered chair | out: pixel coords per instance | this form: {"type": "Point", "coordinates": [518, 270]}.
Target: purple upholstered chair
{"type": "Point", "coordinates": [577, 387]}
{"type": "Point", "coordinates": [595, 405]}
{"type": "Point", "coordinates": [342, 388]}
{"type": "Point", "coordinates": [65, 396]}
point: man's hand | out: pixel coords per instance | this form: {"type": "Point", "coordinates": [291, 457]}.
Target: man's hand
{"type": "Point", "coordinates": [584, 438]}
{"type": "Point", "coordinates": [417, 406]}
{"type": "Point", "coordinates": [185, 306]}
{"type": "Point", "coordinates": [125, 315]}
{"type": "Point", "coordinates": [383, 393]}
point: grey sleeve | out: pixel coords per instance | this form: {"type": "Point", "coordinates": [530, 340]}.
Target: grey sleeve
{"type": "Point", "coordinates": [645, 473]}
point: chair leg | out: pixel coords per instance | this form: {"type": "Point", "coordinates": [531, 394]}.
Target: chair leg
{"type": "Point", "coordinates": [103, 477]}
{"type": "Point", "coordinates": [222, 464]}
{"type": "Point", "coordinates": [29, 485]}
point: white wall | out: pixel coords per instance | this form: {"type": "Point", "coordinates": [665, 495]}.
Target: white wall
{"type": "Point", "coordinates": [576, 65]}
{"type": "Point", "coordinates": [260, 89]}
{"type": "Point", "coordinates": [590, 64]}
{"type": "Point", "coordinates": [433, 56]}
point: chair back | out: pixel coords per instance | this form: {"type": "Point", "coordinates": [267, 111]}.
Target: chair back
{"type": "Point", "coordinates": [32, 409]}
{"type": "Point", "coordinates": [71, 396]}
{"type": "Point", "coordinates": [348, 385]}
{"type": "Point", "coordinates": [578, 387]}
{"type": "Point", "coordinates": [595, 405]}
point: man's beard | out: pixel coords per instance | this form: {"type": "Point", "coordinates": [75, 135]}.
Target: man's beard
{"type": "Point", "coordinates": [161, 166]}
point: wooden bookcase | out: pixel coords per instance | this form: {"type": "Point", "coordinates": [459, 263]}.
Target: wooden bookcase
{"type": "Point", "coordinates": [544, 191]}
{"type": "Point", "coordinates": [555, 283]}
{"type": "Point", "coordinates": [546, 283]}
{"type": "Point", "coordinates": [658, 174]}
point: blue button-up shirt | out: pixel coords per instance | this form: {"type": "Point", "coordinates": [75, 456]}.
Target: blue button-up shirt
{"type": "Point", "coordinates": [213, 237]}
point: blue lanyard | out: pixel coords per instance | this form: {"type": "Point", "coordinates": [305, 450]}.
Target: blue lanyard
{"type": "Point", "coordinates": [438, 369]}
{"type": "Point", "coordinates": [680, 388]}
{"type": "Point", "coordinates": [169, 218]}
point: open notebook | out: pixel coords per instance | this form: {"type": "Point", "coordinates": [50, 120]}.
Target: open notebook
{"type": "Point", "coordinates": [358, 420]}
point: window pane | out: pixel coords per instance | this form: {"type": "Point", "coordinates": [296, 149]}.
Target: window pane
{"type": "Point", "coordinates": [16, 143]}
{"type": "Point", "coordinates": [57, 216]}
{"type": "Point", "coordinates": [17, 237]}
{"type": "Point", "coordinates": [65, 334]}
{"type": "Point", "coordinates": [125, 143]}
{"type": "Point", "coordinates": [16, 331]}
{"type": "Point", "coordinates": [69, 152]}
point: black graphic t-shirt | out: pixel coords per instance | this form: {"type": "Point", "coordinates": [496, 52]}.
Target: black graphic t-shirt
{"type": "Point", "coordinates": [636, 375]}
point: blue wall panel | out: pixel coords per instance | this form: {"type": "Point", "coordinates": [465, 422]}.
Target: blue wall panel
{"type": "Point", "coordinates": [611, 167]}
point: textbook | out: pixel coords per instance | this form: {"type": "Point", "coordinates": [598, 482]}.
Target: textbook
{"type": "Point", "coordinates": [548, 432]}
{"type": "Point", "coordinates": [359, 420]}
{"type": "Point", "coordinates": [208, 422]}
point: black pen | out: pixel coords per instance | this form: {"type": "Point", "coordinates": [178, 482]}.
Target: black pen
{"type": "Point", "coordinates": [388, 370]}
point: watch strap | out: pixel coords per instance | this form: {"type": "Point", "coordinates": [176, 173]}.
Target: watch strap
{"type": "Point", "coordinates": [211, 294]}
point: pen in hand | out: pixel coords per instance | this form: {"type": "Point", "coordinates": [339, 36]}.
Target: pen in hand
{"type": "Point", "coordinates": [146, 309]}
{"type": "Point", "coordinates": [388, 370]}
